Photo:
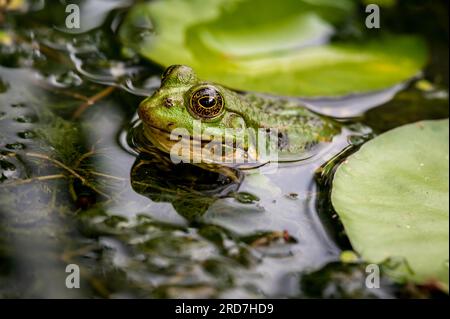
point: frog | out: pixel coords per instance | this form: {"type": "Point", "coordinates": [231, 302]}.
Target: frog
{"type": "Point", "coordinates": [199, 111]}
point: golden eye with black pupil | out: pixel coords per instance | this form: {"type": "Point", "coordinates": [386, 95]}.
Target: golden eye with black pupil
{"type": "Point", "coordinates": [206, 103]}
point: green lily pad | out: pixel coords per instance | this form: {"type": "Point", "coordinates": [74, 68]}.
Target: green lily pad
{"type": "Point", "coordinates": [273, 47]}
{"type": "Point", "coordinates": [393, 198]}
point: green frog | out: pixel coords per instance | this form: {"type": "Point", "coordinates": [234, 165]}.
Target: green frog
{"type": "Point", "coordinates": [203, 122]}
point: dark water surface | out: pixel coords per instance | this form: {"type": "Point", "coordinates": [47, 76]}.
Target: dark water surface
{"type": "Point", "coordinates": [73, 191]}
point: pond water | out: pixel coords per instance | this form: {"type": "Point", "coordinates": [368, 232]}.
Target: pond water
{"type": "Point", "coordinates": [73, 191]}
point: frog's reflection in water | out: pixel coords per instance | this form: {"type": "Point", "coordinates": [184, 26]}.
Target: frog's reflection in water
{"type": "Point", "coordinates": [189, 188]}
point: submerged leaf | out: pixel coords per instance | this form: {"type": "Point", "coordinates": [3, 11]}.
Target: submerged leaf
{"type": "Point", "coordinates": [272, 48]}
{"type": "Point", "coordinates": [392, 197]}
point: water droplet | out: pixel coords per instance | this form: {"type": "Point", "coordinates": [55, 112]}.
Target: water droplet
{"type": "Point", "coordinates": [246, 198]}
{"type": "Point", "coordinates": [15, 146]}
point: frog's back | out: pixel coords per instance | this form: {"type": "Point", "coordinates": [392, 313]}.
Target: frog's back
{"type": "Point", "coordinates": [298, 128]}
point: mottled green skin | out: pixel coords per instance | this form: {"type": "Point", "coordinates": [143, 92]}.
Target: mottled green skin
{"type": "Point", "coordinates": [298, 128]}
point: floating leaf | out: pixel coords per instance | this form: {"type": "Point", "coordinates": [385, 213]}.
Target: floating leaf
{"type": "Point", "coordinates": [272, 47]}
{"type": "Point", "coordinates": [392, 197]}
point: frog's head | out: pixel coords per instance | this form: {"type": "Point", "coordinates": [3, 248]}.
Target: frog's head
{"type": "Point", "coordinates": [183, 100]}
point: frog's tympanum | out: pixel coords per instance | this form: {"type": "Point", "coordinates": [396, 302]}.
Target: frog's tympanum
{"type": "Point", "coordinates": [224, 126]}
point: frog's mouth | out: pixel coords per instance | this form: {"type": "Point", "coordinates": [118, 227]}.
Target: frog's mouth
{"type": "Point", "coordinates": [193, 150]}
{"type": "Point", "coordinates": [166, 140]}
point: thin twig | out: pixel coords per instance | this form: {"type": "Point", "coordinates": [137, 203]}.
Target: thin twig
{"type": "Point", "coordinates": [108, 176]}
{"type": "Point", "coordinates": [65, 167]}
{"type": "Point", "coordinates": [33, 179]}
{"type": "Point", "coordinates": [47, 86]}
{"type": "Point", "coordinates": [58, 163]}
{"type": "Point", "coordinates": [68, 256]}
{"type": "Point", "coordinates": [83, 157]}
{"type": "Point", "coordinates": [92, 100]}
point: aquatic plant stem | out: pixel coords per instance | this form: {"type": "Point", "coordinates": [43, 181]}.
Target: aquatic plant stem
{"type": "Point", "coordinates": [109, 176]}
{"type": "Point", "coordinates": [33, 179]}
{"type": "Point", "coordinates": [65, 167]}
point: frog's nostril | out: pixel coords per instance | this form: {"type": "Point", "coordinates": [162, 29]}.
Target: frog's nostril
{"type": "Point", "coordinates": [168, 103]}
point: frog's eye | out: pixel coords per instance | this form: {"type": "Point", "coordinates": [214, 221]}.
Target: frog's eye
{"type": "Point", "coordinates": [176, 74]}
{"type": "Point", "coordinates": [206, 103]}
{"type": "Point", "coordinates": [168, 71]}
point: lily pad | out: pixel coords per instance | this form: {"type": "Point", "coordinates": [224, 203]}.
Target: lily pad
{"type": "Point", "coordinates": [393, 199]}
{"type": "Point", "coordinates": [274, 47]}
